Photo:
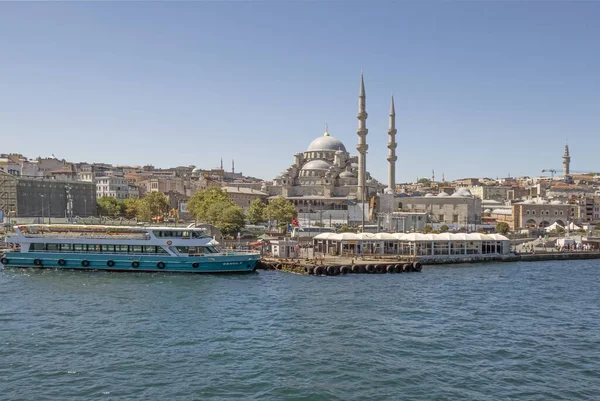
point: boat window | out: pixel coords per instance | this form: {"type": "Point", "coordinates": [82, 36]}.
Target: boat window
{"type": "Point", "coordinates": [183, 249]}
{"type": "Point", "coordinates": [79, 247]}
{"type": "Point", "coordinates": [196, 234]}
{"type": "Point", "coordinates": [158, 233]}
{"type": "Point", "coordinates": [149, 249]}
{"type": "Point", "coordinates": [160, 250]}
{"type": "Point", "coordinates": [121, 248]}
{"type": "Point", "coordinates": [136, 249]}
{"type": "Point", "coordinates": [52, 247]}
{"type": "Point", "coordinates": [37, 247]}
{"type": "Point", "coordinates": [65, 247]}
{"type": "Point", "coordinates": [186, 234]}
{"type": "Point", "coordinates": [211, 249]}
{"type": "Point", "coordinates": [108, 248]}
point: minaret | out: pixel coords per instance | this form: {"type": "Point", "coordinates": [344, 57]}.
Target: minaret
{"type": "Point", "coordinates": [566, 161]}
{"type": "Point", "coordinates": [362, 146]}
{"type": "Point", "coordinates": [221, 163]}
{"type": "Point", "coordinates": [392, 149]}
{"type": "Point", "coordinates": [432, 175]}
{"type": "Point", "coordinates": [232, 166]}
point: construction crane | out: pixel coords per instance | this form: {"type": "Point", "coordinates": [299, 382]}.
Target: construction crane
{"type": "Point", "coordinates": [551, 171]}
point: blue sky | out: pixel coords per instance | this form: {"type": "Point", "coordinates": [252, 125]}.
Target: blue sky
{"type": "Point", "coordinates": [482, 88]}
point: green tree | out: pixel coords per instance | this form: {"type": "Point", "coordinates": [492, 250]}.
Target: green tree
{"type": "Point", "coordinates": [444, 228]}
{"type": "Point", "coordinates": [154, 204]}
{"type": "Point", "coordinates": [502, 228]}
{"type": "Point", "coordinates": [213, 206]}
{"type": "Point", "coordinates": [256, 212]}
{"type": "Point", "coordinates": [426, 182]}
{"type": "Point", "coordinates": [282, 210]}
{"type": "Point", "coordinates": [130, 208]}
{"type": "Point", "coordinates": [428, 229]}
{"type": "Point", "coordinates": [231, 220]}
{"type": "Point", "coordinates": [108, 206]}
{"type": "Point", "coordinates": [204, 204]}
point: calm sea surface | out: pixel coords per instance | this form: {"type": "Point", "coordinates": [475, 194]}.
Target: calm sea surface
{"type": "Point", "coordinates": [522, 331]}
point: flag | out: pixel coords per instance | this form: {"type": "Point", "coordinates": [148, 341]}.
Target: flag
{"type": "Point", "coordinates": [294, 222]}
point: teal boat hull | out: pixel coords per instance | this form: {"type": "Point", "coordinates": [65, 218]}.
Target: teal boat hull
{"type": "Point", "coordinates": [223, 263]}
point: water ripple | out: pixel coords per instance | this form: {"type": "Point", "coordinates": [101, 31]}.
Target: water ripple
{"type": "Point", "coordinates": [474, 332]}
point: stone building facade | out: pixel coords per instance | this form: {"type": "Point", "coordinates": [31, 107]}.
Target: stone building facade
{"type": "Point", "coordinates": [542, 213]}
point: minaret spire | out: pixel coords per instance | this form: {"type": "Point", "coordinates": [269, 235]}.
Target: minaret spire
{"type": "Point", "coordinates": [221, 163]}
{"type": "Point", "coordinates": [232, 166]}
{"type": "Point", "coordinates": [566, 161]}
{"type": "Point", "coordinates": [392, 148]}
{"type": "Point", "coordinates": [362, 146]}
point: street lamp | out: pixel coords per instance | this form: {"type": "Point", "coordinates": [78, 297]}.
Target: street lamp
{"type": "Point", "coordinates": [42, 196]}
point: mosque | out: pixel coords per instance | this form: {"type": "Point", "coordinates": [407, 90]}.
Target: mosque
{"type": "Point", "coordinates": [326, 177]}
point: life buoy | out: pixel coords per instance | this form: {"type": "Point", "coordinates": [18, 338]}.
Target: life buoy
{"type": "Point", "coordinates": [85, 263]}
{"type": "Point", "coordinates": [110, 263]}
{"type": "Point", "coordinates": [135, 264]}
{"type": "Point", "coordinates": [169, 242]}
{"type": "Point", "coordinates": [195, 265]}
{"type": "Point", "coordinates": [62, 262]}
{"type": "Point", "coordinates": [4, 261]}
{"type": "Point", "coordinates": [37, 262]}
{"type": "Point", "coordinates": [160, 265]}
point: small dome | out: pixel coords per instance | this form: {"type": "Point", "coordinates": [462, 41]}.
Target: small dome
{"type": "Point", "coordinates": [196, 170]}
{"type": "Point", "coordinates": [556, 202]}
{"type": "Point", "coordinates": [529, 202]}
{"type": "Point", "coordinates": [442, 194]}
{"type": "Point", "coordinates": [326, 143]}
{"type": "Point", "coordinates": [316, 165]}
{"type": "Point", "coordinates": [487, 211]}
{"type": "Point", "coordinates": [429, 195]}
{"type": "Point", "coordinates": [388, 191]}
{"type": "Point", "coordinates": [462, 192]}
{"type": "Point", "coordinates": [347, 174]}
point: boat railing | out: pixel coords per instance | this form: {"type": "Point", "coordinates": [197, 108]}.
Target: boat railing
{"type": "Point", "coordinates": [89, 236]}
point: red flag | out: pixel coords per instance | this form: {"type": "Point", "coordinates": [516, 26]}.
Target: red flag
{"type": "Point", "coordinates": [294, 222]}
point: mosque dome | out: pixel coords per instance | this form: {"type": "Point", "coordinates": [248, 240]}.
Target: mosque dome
{"type": "Point", "coordinates": [347, 174]}
{"type": "Point", "coordinates": [429, 195]}
{"type": "Point", "coordinates": [316, 165]}
{"type": "Point", "coordinates": [196, 170]}
{"type": "Point", "coordinates": [326, 143]}
{"type": "Point", "coordinates": [442, 194]}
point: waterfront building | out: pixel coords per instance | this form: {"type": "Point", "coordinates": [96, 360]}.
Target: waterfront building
{"type": "Point", "coordinates": [42, 197]}
{"type": "Point", "coordinates": [434, 246]}
{"type": "Point", "coordinates": [541, 213]}
{"type": "Point", "coordinates": [459, 209]}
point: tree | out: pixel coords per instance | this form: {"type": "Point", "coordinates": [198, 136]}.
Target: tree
{"type": "Point", "coordinates": [108, 206]}
{"type": "Point", "coordinates": [502, 228]}
{"type": "Point", "coordinates": [426, 182]}
{"type": "Point", "coordinates": [282, 210]}
{"type": "Point", "coordinates": [130, 208]}
{"type": "Point", "coordinates": [256, 212]}
{"type": "Point", "coordinates": [204, 204]}
{"type": "Point", "coordinates": [154, 204]}
{"type": "Point", "coordinates": [427, 229]}
{"type": "Point", "coordinates": [444, 228]}
{"type": "Point", "coordinates": [231, 220]}
{"type": "Point", "coordinates": [213, 206]}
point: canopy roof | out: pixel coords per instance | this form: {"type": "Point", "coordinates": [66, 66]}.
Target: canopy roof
{"type": "Point", "coordinates": [412, 237]}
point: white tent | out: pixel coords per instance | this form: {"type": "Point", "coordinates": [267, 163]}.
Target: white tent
{"type": "Point", "coordinates": [553, 227]}
{"type": "Point", "coordinates": [573, 227]}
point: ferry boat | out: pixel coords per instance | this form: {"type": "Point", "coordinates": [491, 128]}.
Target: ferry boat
{"type": "Point", "coordinates": [116, 248]}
